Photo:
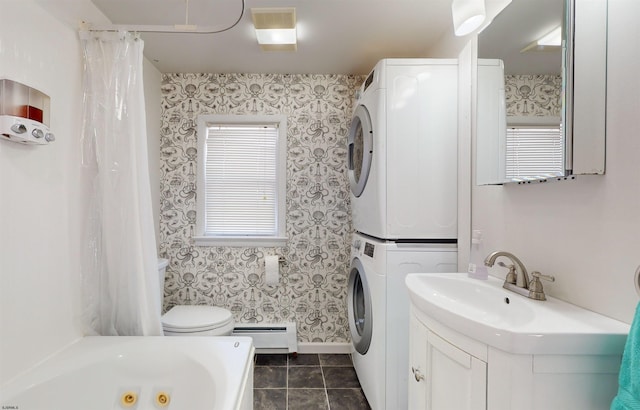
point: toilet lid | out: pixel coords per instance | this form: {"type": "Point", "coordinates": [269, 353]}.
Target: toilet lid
{"type": "Point", "coordinates": [187, 318]}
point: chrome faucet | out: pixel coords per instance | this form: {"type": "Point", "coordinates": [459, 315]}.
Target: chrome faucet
{"type": "Point", "coordinates": [520, 280]}
{"type": "Point", "coordinates": [517, 279]}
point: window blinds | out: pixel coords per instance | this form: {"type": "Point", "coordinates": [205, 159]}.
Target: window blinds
{"type": "Point", "coordinates": [241, 180]}
{"type": "Point", "coordinates": [534, 153]}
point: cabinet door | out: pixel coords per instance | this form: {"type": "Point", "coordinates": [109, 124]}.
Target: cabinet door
{"type": "Point", "coordinates": [417, 364]}
{"type": "Point", "coordinates": [455, 379]}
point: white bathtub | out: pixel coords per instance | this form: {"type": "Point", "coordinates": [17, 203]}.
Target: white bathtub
{"type": "Point", "coordinates": [137, 373]}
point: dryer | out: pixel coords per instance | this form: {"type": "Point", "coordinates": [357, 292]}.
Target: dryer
{"type": "Point", "coordinates": [403, 150]}
{"type": "Point", "coordinates": [378, 305]}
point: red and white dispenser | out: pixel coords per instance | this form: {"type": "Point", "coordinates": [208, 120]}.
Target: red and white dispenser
{"type": "Point", "coordinates": [24, 114]}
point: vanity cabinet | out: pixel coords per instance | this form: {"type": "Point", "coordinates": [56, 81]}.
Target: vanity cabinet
{"type": "Point", "coordinates": [442, 375]}
{"type": "Point", "coordinates": [448, 370]}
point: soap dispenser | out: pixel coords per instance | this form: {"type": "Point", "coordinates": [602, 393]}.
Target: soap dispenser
{"type": "Point", "coordinates": [477, 269]}
{"type": "Point", "coordinates": [24, 114]}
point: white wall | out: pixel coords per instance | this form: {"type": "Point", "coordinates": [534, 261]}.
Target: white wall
{"type": "Point", "coordinates": [39, 226]}
{"type": "Point", "coordinates": [41, 193]}
{"type": "Point", "coordinates": [467, 69]}
{"type": "Point", "coordinates": [584, 232]}
{"type": "Point", "coordinates": [465, 50]}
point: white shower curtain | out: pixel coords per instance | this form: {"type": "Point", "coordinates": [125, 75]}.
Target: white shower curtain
{"type": "Point", "coordinates": [121, 290]}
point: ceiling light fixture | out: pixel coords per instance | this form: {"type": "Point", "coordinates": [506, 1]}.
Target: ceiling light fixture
{"type": "Point", "coordinates": [554, 38]}
{"type": "Point", "coordinates": [275, 28]}
{"type": "Point", "coordinates": [549, 42]}
{"type": "Point", "coordinates": [468, 15]}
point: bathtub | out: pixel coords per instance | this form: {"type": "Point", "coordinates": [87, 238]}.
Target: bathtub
{"type": "Point", "coordinates": [139, 373]}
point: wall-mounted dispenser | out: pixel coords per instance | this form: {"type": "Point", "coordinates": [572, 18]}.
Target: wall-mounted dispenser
{"type": "Point", "coordinates": [24, 114]}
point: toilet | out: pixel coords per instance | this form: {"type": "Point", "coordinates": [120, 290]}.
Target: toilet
{"type": "Point", "coordinates": [191, 320]}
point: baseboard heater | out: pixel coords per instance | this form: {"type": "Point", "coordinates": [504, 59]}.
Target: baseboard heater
{"type": "Point", "coordinates": [270, 337]}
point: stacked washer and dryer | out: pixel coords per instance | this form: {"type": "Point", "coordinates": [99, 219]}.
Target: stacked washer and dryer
{"type": "Point", "coordinates": [403, 174]}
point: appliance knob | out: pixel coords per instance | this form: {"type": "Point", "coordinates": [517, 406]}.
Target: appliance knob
{"type": "Point", "coordinates": [18, 128]}
{"type": "Point", "coordinates": [356, 244]}
{"type": "Point", "coordinates": [50, 137]}
{"type": "Point", "coordinates": [37, 133]}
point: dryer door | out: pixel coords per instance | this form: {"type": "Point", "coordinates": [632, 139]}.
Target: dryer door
{"type": "Point", "coordinates": [360, 310]}
{"type": "Point", "coordinates": [360, 149]}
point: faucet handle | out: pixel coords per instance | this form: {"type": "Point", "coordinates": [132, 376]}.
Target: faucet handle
{"type": "Point", "coordinates": [511, 275]}
{"type": "Point", "coordinates": [535, 286]}
{"type": "Point", "coordinates": [539, 275]}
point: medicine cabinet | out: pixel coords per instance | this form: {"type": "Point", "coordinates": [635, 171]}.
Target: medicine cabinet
{"type": "Point", "coordinates": [568, 81]}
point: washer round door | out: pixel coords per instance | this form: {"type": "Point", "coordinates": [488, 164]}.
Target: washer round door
{"type": "Point", "coordinates": [359, 305]}
{"type": "Point", "coordinates": [360, 149]}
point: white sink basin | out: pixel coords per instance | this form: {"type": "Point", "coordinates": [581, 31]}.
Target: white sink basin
{"type": "Point", "coordinates": [484, 311]}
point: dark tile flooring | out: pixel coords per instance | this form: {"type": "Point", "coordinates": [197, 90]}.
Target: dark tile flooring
{"type": "Point", "coordinates": [306, 381]}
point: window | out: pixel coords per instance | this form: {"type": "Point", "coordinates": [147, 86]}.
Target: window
{"type": "Point", "coordinates": [534, 152]}
{"type": "Point", "coordinates": [241, 180]}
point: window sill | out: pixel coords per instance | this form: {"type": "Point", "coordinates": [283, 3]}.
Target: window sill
{"type": "Point", "coordinates": [241, 241]}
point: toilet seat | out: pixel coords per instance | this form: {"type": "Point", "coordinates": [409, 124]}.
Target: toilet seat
{"type": "Point", "coordinates": [191, 319]}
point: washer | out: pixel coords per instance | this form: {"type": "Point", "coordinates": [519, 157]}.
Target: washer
{"type": "Point", "coordinates": [378, 305]}
{"type": "Point", "coordinates": [403, 150]}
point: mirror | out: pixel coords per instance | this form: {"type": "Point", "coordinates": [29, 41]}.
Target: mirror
{"type": "Point", "coordinates": [541, 108]}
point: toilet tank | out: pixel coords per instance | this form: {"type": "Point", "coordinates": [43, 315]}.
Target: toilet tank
{"type": "Point", "coordinates": [162, 270]}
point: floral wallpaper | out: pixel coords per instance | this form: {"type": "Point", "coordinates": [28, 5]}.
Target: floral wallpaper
{"type": "Point", "coordinates": [533, 95]}
{"type": "Point", "coordinates": [312, 290]}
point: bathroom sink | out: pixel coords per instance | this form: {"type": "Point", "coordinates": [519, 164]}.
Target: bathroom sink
{"type": "Point", "coordinates": [484, 311]}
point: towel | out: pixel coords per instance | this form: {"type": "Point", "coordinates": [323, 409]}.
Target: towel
{"type": "Point", "coordinates": [628, 397]}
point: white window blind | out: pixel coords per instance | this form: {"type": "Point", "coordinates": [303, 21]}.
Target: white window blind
{"type": "Point", "coordinates": [241, 180]}
{"type": "Point", "coordinates": [534, 153]}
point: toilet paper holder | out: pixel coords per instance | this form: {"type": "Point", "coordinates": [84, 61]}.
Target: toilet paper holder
{"type": "Point", "coordinates": [281, 259]}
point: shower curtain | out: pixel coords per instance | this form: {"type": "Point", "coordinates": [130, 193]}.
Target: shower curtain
{"type": "Point", "coordinates": [120, 290]}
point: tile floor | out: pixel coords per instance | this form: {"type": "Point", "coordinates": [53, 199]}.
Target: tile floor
{"type": "Point", "coordinates": [306, 381]}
